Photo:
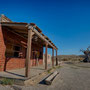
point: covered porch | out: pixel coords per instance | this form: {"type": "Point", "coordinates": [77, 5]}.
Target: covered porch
{"type": "Point", "coordinates": [19, 74]}
{"type": "Point", "coordinates": [32, 35]}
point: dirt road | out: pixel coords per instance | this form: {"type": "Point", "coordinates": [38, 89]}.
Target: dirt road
{"type": "Point", "coordinates": [71, 77]}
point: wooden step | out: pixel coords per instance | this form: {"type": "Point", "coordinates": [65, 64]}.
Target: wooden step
{"type": "Point", "coordinates": [50, 78]}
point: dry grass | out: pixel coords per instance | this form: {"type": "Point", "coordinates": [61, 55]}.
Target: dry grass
{"type": "Point", "coordinates": [6, 81]}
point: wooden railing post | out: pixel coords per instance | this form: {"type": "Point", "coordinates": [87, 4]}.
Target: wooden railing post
{"type": "Point", "coordinates": [46, 56]}
{"type": "Point", "coordinates": [28, 55]}
{"type": "Point", "coordinates": [52, 57]}
{"type": "Point", "coordinates": [56, 59]}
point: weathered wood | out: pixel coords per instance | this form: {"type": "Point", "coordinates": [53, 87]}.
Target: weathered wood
{"type": "Point", "coordinates": [11, 30]}
{"type": "Point", "coordinates": [52, 57]}
{"type": "Point", "coordinates": [46, 56]}
{"type": "Point", "coordinates": [87, 54]}
{"type": "Point", "coordinates": [4, 18]}
{"type": "Point", "coordinates": [43, 38]}
{"type": "Point", "coordinates": [28, 52]}
{"type": "Point", "coordinates": [49, 79]}
{"type": "Point", "coordinates": [36, 27]}
{"type": "Point", "coordinates": [56, 59]}
{"type": "Point", "coordinates": [23, 27]}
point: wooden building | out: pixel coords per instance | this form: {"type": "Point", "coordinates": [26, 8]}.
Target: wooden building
{"type": "Point", "coordinates": [21, 45]}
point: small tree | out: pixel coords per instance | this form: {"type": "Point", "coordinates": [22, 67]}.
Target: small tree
{"type": "Point", "coordinates": [87, 54]}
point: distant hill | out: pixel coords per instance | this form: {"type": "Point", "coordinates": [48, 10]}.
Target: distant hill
{"type": "Point", "coordinates": [70, 57]}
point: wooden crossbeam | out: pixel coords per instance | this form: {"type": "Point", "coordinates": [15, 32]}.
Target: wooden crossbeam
{"type": "Point", "coordinates": [43, 38]}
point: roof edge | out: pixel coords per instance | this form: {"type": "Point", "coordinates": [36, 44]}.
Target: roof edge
{"type": "Point", "coordinates": [4, 18]}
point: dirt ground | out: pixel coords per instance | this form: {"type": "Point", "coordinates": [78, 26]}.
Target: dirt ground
{"type": "Point", "coordinates": [72, 76]}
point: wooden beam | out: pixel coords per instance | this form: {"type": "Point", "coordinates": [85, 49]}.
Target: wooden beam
{"type": "Point", "coordinates": [51, 77]}
{"type": "Point", "coordinates": [34, 25]}
{"type": "Point", "coordinates": [24, 32]}
{"type": "Point", "coordinates": [13, 24]}
{"type": "Point", "coordinates": [28, 25]}
{"type": "Point", "coordinates": [46, 56]}
{"type": "Point", "coordinates": [42, 37]}
{"type": "Point", "coordinates": [11, 30]}
{"type": "Point", "coordinates": [28, 57]}
{"type": "Point", "coordinates": [52, 57]}
{"type": "Point", "coordinates": [56, 59]}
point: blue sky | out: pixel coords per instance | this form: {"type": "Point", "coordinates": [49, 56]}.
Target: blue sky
{"type": "Point", "coordinates": [65, 22]}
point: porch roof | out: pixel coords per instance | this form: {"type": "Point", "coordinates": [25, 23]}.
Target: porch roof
{"type": "Point", "coordinates": [22, 29]}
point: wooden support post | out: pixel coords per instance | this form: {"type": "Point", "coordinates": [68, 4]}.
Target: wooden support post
{"type": "Point", "coordinates": [52, 57]}
{"type": "Point", "coordinates": [56, 59]}
{"type": "Point", "coordinates": [28, 56]}
{"type": "Point", "coordinates": [46, 56]}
